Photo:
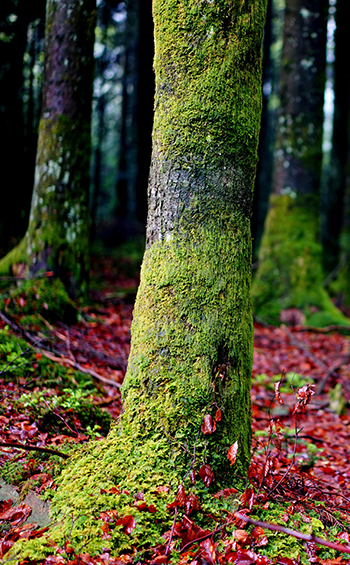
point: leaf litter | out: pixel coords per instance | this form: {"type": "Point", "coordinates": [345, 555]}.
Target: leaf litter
{"type": "Point", "coordinates": [299, 474]}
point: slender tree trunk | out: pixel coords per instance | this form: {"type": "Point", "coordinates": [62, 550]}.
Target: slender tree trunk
{"type": "Point", "coordinates": [191, 352]}
{"type": "Point", "coordinates": [340, 142]}
{"type": "Point", "coordinates": [58, 233]}
{"type": "Point", "coordinates": [290, 270]}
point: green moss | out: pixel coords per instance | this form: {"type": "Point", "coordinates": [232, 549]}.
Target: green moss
{"type": "Point", "coordinates": [290, 273]}
{"type": "Point", "coordinates": [208, 75]}
{"type": "Point", "coordinates": [44, 296]}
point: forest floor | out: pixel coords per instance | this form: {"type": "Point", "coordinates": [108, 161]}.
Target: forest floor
{"type": "Point", "coordinates": [299, 476]}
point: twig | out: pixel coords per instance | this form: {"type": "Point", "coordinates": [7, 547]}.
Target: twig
{"type": "Point", "coordinates": [294, 533]}
{"type": "Point", "coordinates": [91, 372]}
{"type": "Point", "coordinates": [16, 327]}
{"type": "Point", "coordinates": [33, 448]}
{"type": "Point", "coordinates": [171, 533]}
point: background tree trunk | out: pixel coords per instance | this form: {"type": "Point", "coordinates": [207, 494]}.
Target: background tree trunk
{"type": "Point", "coordinates": [58, 233]}
{"type": "Point", "coordinates": [290, 260]}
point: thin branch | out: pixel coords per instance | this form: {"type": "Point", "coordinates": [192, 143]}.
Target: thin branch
{"type": "Point", "coordinates": [53, 356]}
{"type": "Point", "coordinates": [33, 448]}
{"type": "Point", "coordinates": [294, 533]}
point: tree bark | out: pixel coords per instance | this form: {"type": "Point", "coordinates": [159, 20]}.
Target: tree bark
{"type": "Point", "coordinates": [58, 233]}
{"type": "Point", "coordinates": [290, 260]}
{"type": "Point", "coordinates": [191, 352]}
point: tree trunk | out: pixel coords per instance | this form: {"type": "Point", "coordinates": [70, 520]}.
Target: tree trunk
{"type": "Point", "coordinates": [337, 208]}
{"type": "Point", "coordinates": [58, 232]}
{"type": "Point", "coordinates": [191, 352]}
{"type": "Point", "coordinates": [290, 271]}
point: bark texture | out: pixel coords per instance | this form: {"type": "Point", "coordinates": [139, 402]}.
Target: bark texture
{"type": "Point", "coordinates": [58, 232]}
{"type": "Point", "coordinates": [290, 259]}
{"type": "Point", "coordinates": [191, 351]}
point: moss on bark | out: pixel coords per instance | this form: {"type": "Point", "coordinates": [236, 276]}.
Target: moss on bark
{"type": "Point", "coordinates": [191, 349]}
{"type": "Point", "coordinates": [290, 273]}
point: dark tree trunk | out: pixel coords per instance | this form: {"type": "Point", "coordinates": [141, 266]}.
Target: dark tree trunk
{"type": "Point", "coordinates": [340, 142]}
{"type": "Point", "coordinates": [58, 233]}
{"type": "Point", "coordinates": [17, 181]}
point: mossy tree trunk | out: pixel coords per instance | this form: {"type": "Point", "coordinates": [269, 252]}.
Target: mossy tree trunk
{"type": "Point", "coordinates": [290, 271]}
{"type": "Point", "coordinates": [58, 232]}
{"type": "Point", "coordinates": [191, 351]}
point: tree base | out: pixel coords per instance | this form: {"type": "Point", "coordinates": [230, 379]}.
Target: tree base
{"type": "Point", "coordinates": [290, 273]}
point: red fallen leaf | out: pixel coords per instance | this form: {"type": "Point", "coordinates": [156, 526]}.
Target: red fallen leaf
{"type": "Point", "coordinates": [144, 507]}
{"type": "Point", "coordinates": [225, 492]}
{"type": "Point", "coordinates": [106, 531]}
{"type": "Point", "coordinates": [192, 503]}
{"type": "Point", "coordinates": [160, 559]}
{"type": "Point", "coordinates": [193, 476]}
{"type": "Point", "coordinates": [277, 392]}
{"type": "Point", "coordinates": [17, 514]}
{"type": "Point", "coordinates": [245, 557]}
{"type": "Point", "coordinates": [248, 497]}
{"type": "Point", "coordinates": [242, 537]}
{"type": "Point", "coordinates": [277, 440]}
{"type": "Point", "coordinates": [344, 536]}
{"type": "Point", "coordinates": [208, 425]}
{"type": "Point", "coordinates": [262, 560]}
{"type": "Point", "coordinates": [188, 531]}
{"type": "Point", "coordinates": [218, 415]}
{"type": "Point", "coordinates": [206, 474]}
{"type": "Point", "coordinates": [5, 505]}
{"type": "Point", "coordinates": [128, 523]}
{"type": "Point", "coordinates": [162, 489]}
{"type": "Point", "coordinates": [286, 561]}
{"type": "Point", "coordinates": [232, 452]}
{"type": "Point", "coordinates": [109, 516]}
{"type": "Point", "coordinates": [208, 552]}
{"type": "Point", "coordinates": [5, 546]}
{"type": "Point", "coordinates": [181, 496]}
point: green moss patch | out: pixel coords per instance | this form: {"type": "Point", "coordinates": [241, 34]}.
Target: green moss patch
{"type": "Point", "coordinates": [290, 273]}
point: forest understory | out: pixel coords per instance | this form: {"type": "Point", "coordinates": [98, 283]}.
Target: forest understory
{"type": "Point", "coordinates": [60, 388]}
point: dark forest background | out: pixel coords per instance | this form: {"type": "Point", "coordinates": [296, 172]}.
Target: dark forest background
{"type": "Point", "coordinates": [122, 121]}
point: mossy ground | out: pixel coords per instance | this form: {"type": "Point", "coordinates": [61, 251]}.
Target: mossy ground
{"type": "Point", "coordinates": [289, 273]}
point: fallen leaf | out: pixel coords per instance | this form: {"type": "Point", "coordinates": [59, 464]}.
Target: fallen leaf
{"type": "Point", "coordinates": [232, 453]}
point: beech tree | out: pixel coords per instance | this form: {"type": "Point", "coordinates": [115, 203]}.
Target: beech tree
{"type": "Point", "coordinates": [187, 388]}
{"type": "Point", "coordinates": [290, 273]}
{"type": "Point", "coordinates": [58, 232]}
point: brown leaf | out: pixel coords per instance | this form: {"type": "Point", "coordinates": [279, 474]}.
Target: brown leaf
{"type": "Point", "coordinates": [181, 496]}
{"type": "Point", "coordinates": [277, 440]}
{"type": "Point", "coordinates": [277, 392]}
{"type": "Point", "coordinates": [206, 474]}
{"type": "Point", "coordinates": [208, 425]}
{"type": "Point", "coordinates": [242, 537]}
{"type": "Point", "coordinates": [208, 553]}
{"type": "Point", "coordinates": [232, 452]}
{"type": "Point", "coordinates": [192, 503]}
{"type": "Point", "coordinates": [225, 492]}
{"type": "Point", "coordinates": [17, 514]}
{"type": "Point", "coordinates": [248, 497]}
{"type": "Point", "coordinates": [218, 415]}
{"type": "Point", "coordinates": [128, 523]}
